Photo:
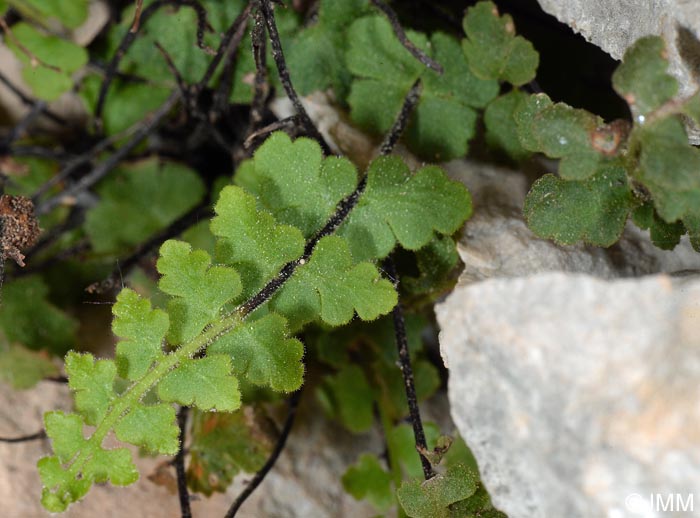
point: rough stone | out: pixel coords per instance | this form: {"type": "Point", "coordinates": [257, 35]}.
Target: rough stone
{"type": "Point", "coordinates": [613, 25]}
{"type": "Point", "coordinates": [578, 395]}
{"type": "Point", "coordinates": [496, 242]}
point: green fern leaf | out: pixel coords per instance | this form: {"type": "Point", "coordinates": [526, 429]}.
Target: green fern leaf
{"type": "Point", "coordinates": [142, 331]}
{"type": "Point", "coordinates": [205, 383]}
{"type": "Point", "coordinates": [92, 383]}
{"type": "Point", "coordinates": [492, 48]}
{"type": "Point", "coordinates": [432, 498]}
{"type": "Point", "coordinates": [331, 287]}
{"type": "Point", "coordinates": [139, 200]}
{"type": "Point", "coordinates": [151, 427]}
{"type": "Point", "coordinates": [199, 289]}
{"type": "Point", "coordinates": [260, 351]}
{"type": "Point", "coordinates": [295, 183]}
{"type": "Point", "coordinates": [593, 210]}
{"type": "Point", "coordinates": [445, 118]}
{"type": "Point", "coordinates": [399, 206]}
{"type": "Point", "coordinates": [560, 131]}
{"type": "Point", "coordinates": [642, 78]}
{"type": "Point", "coordinates": [251, 240]}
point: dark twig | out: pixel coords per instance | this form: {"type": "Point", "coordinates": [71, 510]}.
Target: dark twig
{"type": "Point", "coordinates": [29, 102]}
{"type": "Point", "coordinates": [130, 37]}
{"type": "Point", "coordinates": [401, 35]}
{"type": "Point", "coordinates": [74, 164]}
{"type": "Point", "coordinates": [25, 438]}
{"type": "Point", "coordinates": [185, 510]}
{"type": "Point", "coordinates": [176, 228]}
{"type": "Point", "coordinates": [407, 372]}
{"type": "Point", "coordinates": [184, 92]}
{"type": "Point", "coordinates": [279, 446]}
{"type": "Point", "coordinates": [287, 122]}
{"type": "Point", "coordinates": [39, 152]}
{"type": "Point", "coordinates": [399, 126]}
{"type": "Point", "coordinates": [23, 124]}
{"type": "Point", "coordinates": [232, 38]}
{"type": "Point", "coordinates": [87, 181]}
{"type": "Point", "coordinates": [261, 86]}
{"type": "Point", "coordinates": [399, 324]}
{"type": "Point", "coordinates": [286, 81]}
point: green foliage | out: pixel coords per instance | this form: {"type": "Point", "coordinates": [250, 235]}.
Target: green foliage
{"type": "Point", "coordinates": [316, 54]}
{"type": "Point", "coordinates": [592, 210]}
{"type": "Point", "coordinates": [28, 317]}
{"type": "Point", "coordinates": [492, 48]}
{"type": "Point", "coordinates": [251, 240]}
{"type": "Point", "coordinates": [295, 183]}
{"type": "Point", "coordinates": [433, 498]}
{"type": "Point", "coordinates": [261, 352]}
{"type": "Point", "coordinates": [642, 78]}
{"type": "Point", "coordinates": [399, 206]}
{"type": "Point", "coordinates": [445, 117]}
{"type": "Point", "coordinates": [349, 397]}
{"type": "Point", "coordinates": [668, 167]}
{"type": "Point", "coordinates": [199, 290]}
{"type": "Point", "coordinates": [139, 200]}
{"type": "Point", "coordinates": [501, 130]}
{"type": "Point", "coordinates": [223, 445]}
{"type": "Point", "coordinates": [23, 368]}
{"type": "Point", "coordinates": [50, 63]}
{"type": "Point", "coordinates": [559, 131]}
{"type": "Point", "coordinates": [367, 480]}
{"type": "Point", "coordinates": [664, 235]}
{"type": "Point", "coordinates": [592, 199]}
{"type": "Point", "coordinates": [213, 344]}
{"type": "Point", "coordinates": [71, 14]}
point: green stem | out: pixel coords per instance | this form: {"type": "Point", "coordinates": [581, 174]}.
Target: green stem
{"type": "Point", "coordinates": [134, 394]}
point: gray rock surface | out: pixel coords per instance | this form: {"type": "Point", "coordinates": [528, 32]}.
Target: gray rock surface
{"type": "Point", "coordinates": [578, 396]}
{"type": "Point", "coordinates": [613, 25]}
{"type": "Point", "coordinates": [496, 242]}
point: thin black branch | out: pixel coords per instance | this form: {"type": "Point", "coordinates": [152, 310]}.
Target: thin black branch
{"type": "Point", "coordinates": [401, 35]}
{"type": "Point", "coordinates": [23, 124]}
{"type": "Point", "coordinates": [279, 446]}
{"type": "Point", "coordinates": [285, 79]}
{"type": "Point", "coordinates": [185, 510]}
{"type": "Point", "coordinates": [401, 121]}
{"type": "Point", "coordinates": [232, 38]}
{"type": "Point", "coordinates": [130, 37]}
{"type": "Point", "coordinates": [184, 93]}
{"type": "Point", "coordinates": [74, 164]}
{"type": "Point", "coordinates": [177, 227]}
{"type": "Point", "coordinates": [146, 127]}
{"type": "Point", "coordinates": [288, 122]}
{"type": "Point", "coordinates": [39, 152]}
{"type": "Point", "coordinates": [24, 438]}
{"type": "Point", "coordinates": [399, 323]}
{"type": "Point", "coordinates": [29, 102]}
{"type": "Point", "coordinates": [261, 86]}
{"type": "Point", "coordinates": [407, 372]}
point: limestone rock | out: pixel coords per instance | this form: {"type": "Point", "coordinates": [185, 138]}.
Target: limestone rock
{"type": "Point", "coordinates": [614, 25]}
{"type": "Point", "coordinates": [578, 396]}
